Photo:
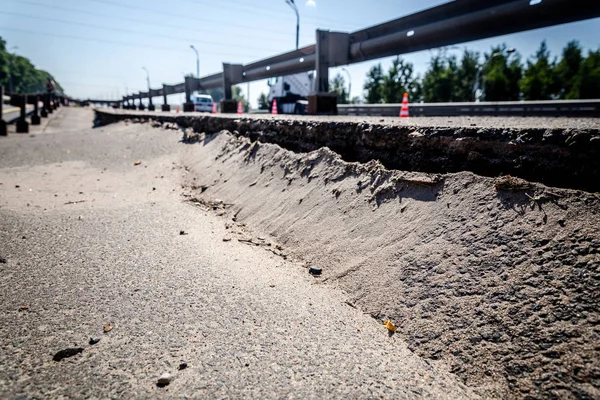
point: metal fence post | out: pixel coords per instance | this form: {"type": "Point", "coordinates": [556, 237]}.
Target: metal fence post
{"type": "Point", "coordinates": [47, 104]}
{"type": "Point", "coordinates": [35, 118]}
{"type": "Point", "coordinates": [44, 111]}
{"type": "Point", "coordinates": [22, 124]}
{"type": "Point", "coordinates": [3, 130]}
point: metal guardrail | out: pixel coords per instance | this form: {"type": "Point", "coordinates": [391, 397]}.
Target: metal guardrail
{"type": "Point", "coordinates": [551, 108]}
{"type": "Point", "coordinates": [28, 105]}
{"type": "Point", "coordinates": [451, 23]}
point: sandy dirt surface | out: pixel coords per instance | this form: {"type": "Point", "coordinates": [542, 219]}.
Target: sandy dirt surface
{"type": "Point", "coordinates": [497, 278]}
{"type": "Point", "coordinates": [94, 246]}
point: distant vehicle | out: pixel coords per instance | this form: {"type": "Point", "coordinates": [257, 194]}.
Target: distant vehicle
{"type": "Point", "coordinates": [291, 92]}
{"type": "Point", "coordinates": [202, 102]}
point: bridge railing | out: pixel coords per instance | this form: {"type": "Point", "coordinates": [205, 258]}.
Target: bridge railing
{"type": "Point", "coordinates": [447, 24]}
{"type": "Point", "coordinates": [50, 102]}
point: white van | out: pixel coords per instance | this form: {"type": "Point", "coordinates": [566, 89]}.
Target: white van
{"type": "Point", "coordinates": [202, 102]}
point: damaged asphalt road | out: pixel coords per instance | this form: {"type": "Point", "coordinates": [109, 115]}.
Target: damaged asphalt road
{"type": "Point", "coordinates": [92, 240]}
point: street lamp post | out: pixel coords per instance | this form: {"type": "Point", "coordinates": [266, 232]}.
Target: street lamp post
{"type": "Point", "coordinates": [476, 91]}
{"type": "Point", "coordinates": [292, 4]}
{"type": "Point", "coordinates": [349, 84]}
{"type": "Point", "coordinates": [197, 61]}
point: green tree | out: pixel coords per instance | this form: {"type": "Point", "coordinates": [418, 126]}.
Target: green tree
{"type": "Point", "coordinates": [467, 72]}
{"type": "Point", "coordinates": [502, 72]}
{"type": "Point", "coordinates": [566, 73]}
{"type": "Point", "coordinates": [538, 82]}
{"type": "Point", "coordinates": [440, 82]}
{"type": "Point", "coordinates": [25, 77]}
{"type": "Point", "coordinates": [4, 62]}
{"type": "Point", "coordinates": [263, 102]}
{"type": "Point", "coordinates": [399, 80]}
{"type": "Point", "coordinates": [338, 85]}
{"type": "Point", "coordinates": [236, 93]}
{"type": "Point", "coordinates": [588, 81]}
{"type": "Point", "coordinates": [374, 85]}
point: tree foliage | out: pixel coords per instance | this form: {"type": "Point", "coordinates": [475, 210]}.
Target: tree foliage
{"type": "Point", "coordinates": [236, 93]}
{"type": "Point", "coordinates": [499, 75]}
{"type": "Point", "coordinates": [25, 77]}
{"type": "Point", "coordinates": [502, 73]}
{"type": "Point", "coordinates": [263, 102]}
{"type": "Point", "coordinates": [538, 80]}
{"type": "Point", "coordinates": [374, 85]}
{"type": "Point", "coordinates": [338, 84]}
{"type": "Point", "coordinates": [567, 71]}
{"type": "Point", "coordinates": [400, 79]}
{"type": "Point", "coordinates": [588, 81]}
{"type": "Point", "coordinates": [440, 82]}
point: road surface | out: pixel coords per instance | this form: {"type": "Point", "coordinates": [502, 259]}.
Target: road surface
{"type": "Point", "coordinates": [93, 242]}
{"type": "Point", "coordinates": [479, 122]}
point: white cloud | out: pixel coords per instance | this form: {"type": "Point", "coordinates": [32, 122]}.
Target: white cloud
{"type": "Point", "coordinates": [311, 3]}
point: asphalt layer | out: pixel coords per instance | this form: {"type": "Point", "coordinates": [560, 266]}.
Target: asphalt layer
{"type": "Point", "coordinates": [93, 246]}
{"type": "Point", "coordinates": [451, 122]}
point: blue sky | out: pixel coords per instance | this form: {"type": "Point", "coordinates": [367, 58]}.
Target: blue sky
{"type": "Point", "coordinates": [97, 48]}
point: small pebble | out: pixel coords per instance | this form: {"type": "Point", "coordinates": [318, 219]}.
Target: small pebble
{"type": "Point", "coordinates": [314, 271]}
{"type": "Point", "coordinates": [66, 353]}
{"type": "Point", "coordinates": [3, 260]}
{"type": "Point", "coordinates": [183, 365]}
{"type": "Point", "coordinates": [182, 232]}
{"type": "Point", "coordinates": [94, 340]}
{"type": "Point", "coordinates": [164, 380]}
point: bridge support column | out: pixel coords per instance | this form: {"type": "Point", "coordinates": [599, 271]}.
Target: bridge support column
{"type": "Point", "coordinates": [165, 106]}
{"type": "Point", "coordinates": [141, 106]}
{"type": "Point", "coordinates": [22, 124]}
{"type": "Point", "coordinates": [35, 118]}
{"type": "Point", "coordinates": [150, 105]}
{"type": "Point", "coordinates": [188, 106]}
{"type": "Point", "coordinates": [332, 51]}
{"type": "Point", "coordinates": [232, 74]}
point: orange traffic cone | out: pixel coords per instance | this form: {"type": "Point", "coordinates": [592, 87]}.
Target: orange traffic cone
{"type": "Point", "coordinates": [274, 108]}
{"type": "Point", "coordinates": [214, 110]}
{"type": "Point", "coordinates": [240, 107]}
{"type": "Point", "coordinates": [404, 108]}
